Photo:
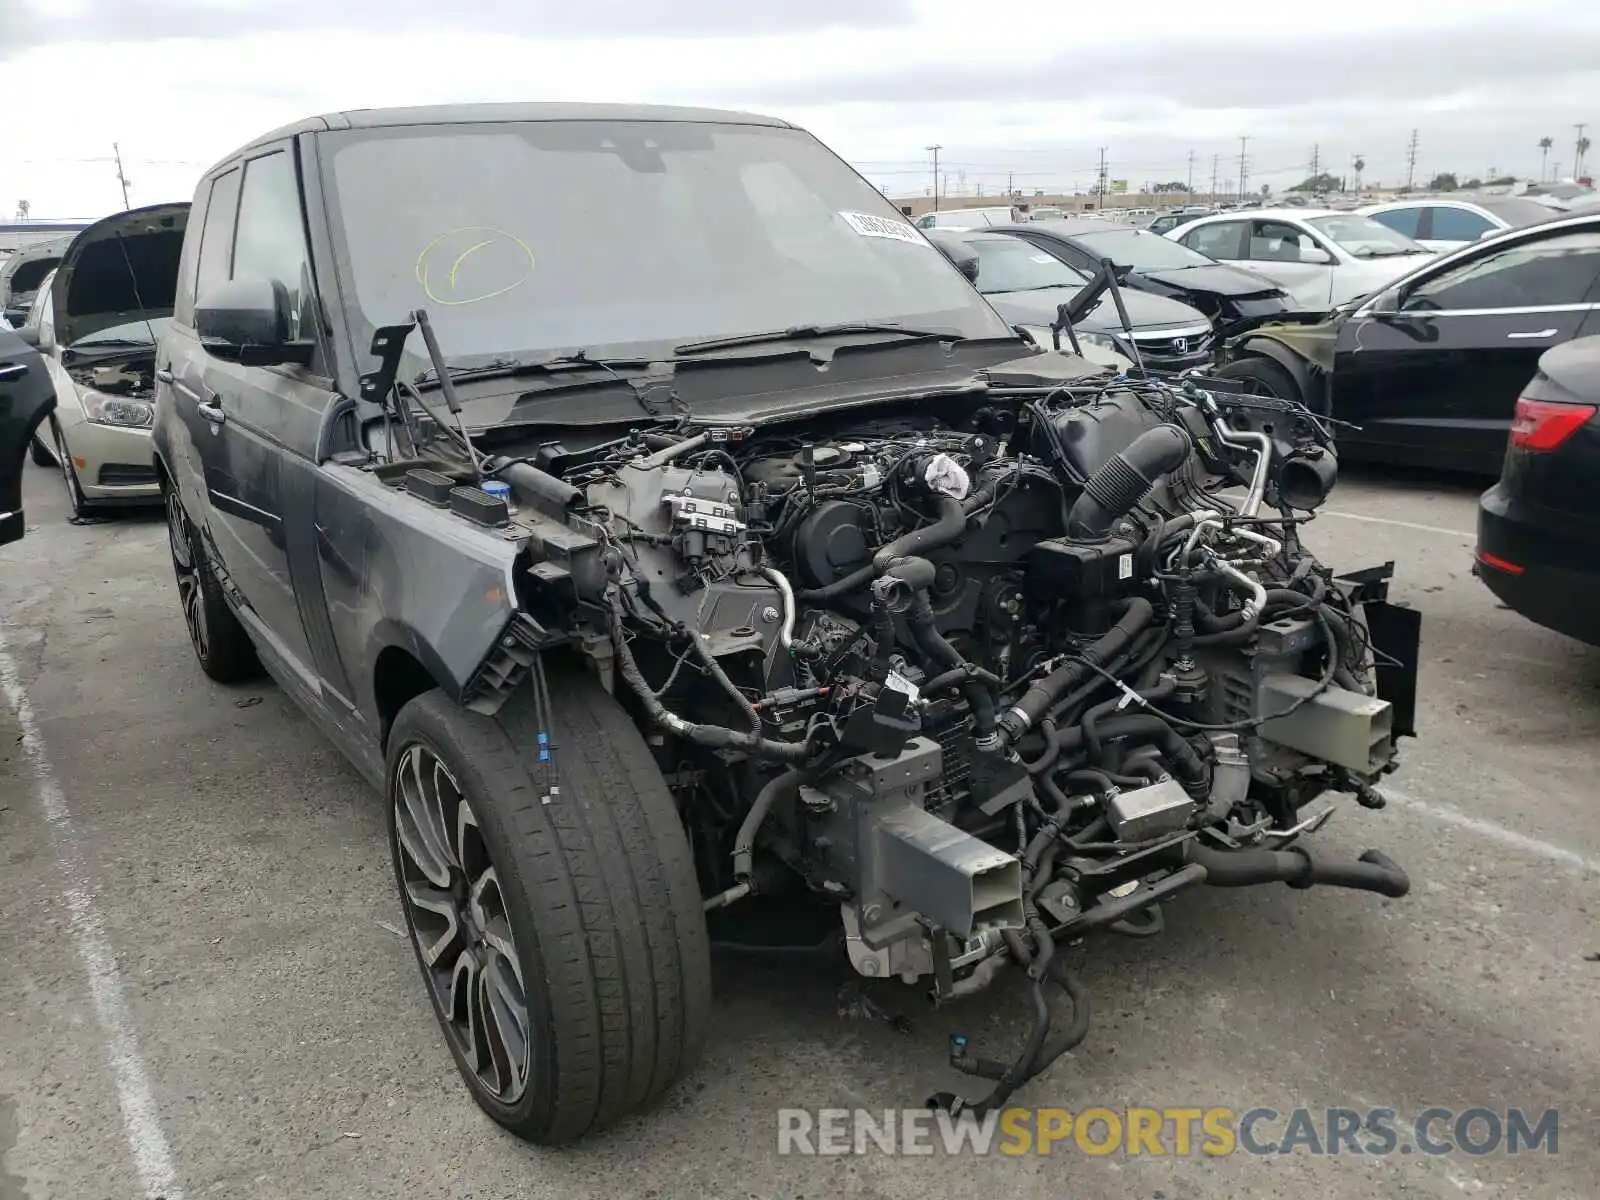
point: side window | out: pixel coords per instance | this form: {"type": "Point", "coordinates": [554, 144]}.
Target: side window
{"type": "Point", "coordinates": [1459, 225]}
{"type": "Point", "coordinates": [1552, 270]}
{"type": "Point", "coordinates": [270, 242]}
{"type": "Point", "coordinates": [1407, 221]}
{"type": "Point", "coordinates": [1220, 241]}
{"type": "Point", "coordinates": [1274, 241]}
{"type": "Point", "coordinates": [216, 238]}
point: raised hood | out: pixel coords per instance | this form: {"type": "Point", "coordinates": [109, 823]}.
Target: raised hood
{"type": "Point", "coordinates": [119, 270]}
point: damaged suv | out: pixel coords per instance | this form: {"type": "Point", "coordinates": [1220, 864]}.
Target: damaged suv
{"type": "Point", "coordinates": [676, 538]}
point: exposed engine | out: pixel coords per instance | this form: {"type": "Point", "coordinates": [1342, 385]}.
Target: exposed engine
{"type": "Point", "coordinates": [985, 675]}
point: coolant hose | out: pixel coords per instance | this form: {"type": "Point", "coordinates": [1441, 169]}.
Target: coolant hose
{"type": "Point", "coordinates": [784, 787]}
{"type": "Point", "coordinates": [1136, 615]}
{"type": "Point", "coordinates": [1299, 867]}
{"type": "Point", "coordinates": [951, 524]}
{"type": "Point", "coordinates": [980, 699]}
{"type": "Point", "coordinates": [1125, 479]}
{"type": "Point", "coordinates": [1184, 760]}
{"type": "Point", "coordinates": [1091, 719]}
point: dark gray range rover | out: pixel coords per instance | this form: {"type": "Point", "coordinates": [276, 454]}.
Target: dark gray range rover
{"type": "Point", "coordinates": [690, 554]}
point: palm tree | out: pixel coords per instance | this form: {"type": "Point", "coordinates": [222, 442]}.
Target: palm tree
{"type": "Point", "coordinates": [1544, 157]}
{"type": "Point", "coordinates": [1583, 149]}
{"type": "Point", "coordinates": [1359, 165]}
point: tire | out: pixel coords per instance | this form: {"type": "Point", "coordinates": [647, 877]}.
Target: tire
{"type": "Point", "coordinates": [594, 883]}
{"type": "Point", "coordinates": [219, 641]}
{"type": "Point", "coordinates": [1267, 376]}
{"type": "Point", "coordinates": [69, 473]}
{"type": "Point", "coordinates": [38, 454]}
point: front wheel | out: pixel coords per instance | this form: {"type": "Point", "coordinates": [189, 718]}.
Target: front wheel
{"type": "Point", "coordinates": [552, 903]}
{"type": "Point", "coordinates": [1262, 377]}
{"type": "Point", "coordinates": [38, 453]}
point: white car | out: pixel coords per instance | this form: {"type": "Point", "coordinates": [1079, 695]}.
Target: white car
{"type": "Point", "coordinates": [96, 321]}
{"type": "Point", "coordinates": [969, 218]}
{"type": "Point", "coordinates": [1319, 256]}
{"type": "Point", "coordinates": [1442, 223]}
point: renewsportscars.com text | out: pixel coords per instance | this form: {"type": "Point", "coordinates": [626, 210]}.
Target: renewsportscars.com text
{"type": "Point", "coordinates": [1175, 1132]}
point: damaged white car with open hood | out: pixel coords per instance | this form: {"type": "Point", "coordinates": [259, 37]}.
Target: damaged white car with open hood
{"type": "Point", "coordinates": [97, 320]}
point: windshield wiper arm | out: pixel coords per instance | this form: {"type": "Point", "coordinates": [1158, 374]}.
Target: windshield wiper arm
{"type": "Point", "coordinates": [507, 368]}
{"type": "Point", "coordinates": [806, 332]}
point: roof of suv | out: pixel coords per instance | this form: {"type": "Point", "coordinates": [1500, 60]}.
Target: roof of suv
{"type": "Point", "coordinates": [464, 114]}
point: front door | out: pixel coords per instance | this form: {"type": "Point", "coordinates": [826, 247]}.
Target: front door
{"type": "Point", "coordinates": [263, 428]}
{"type": "Point", "coordinates": [1435, 380]}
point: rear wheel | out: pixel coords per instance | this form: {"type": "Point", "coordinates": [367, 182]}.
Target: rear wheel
{"type": "Point", "coordinates": [552, 904]}
{"type": "Point", "coordinates": [220, 642]}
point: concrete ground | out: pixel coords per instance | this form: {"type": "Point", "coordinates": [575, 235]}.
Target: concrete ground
{"type": "Point", "coordinates": [203, 988]}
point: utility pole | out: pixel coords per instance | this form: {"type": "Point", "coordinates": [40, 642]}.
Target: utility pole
{"type": "Point", "coordinates": [1215, 159]}
{"type": "Point", "coordinates": [1189, 196]}
{"type": "Point", "coordinates": [1411, 162]}
{"type": "Point", "coordinates": [1316, 161]}
{"type": "Point", "coordinates": [1244, 166]}
{"type": "Point", "coordinates": [1011, 183]}
{"type": "Point", "coordinates": [1100, 184]}
{"type": "Point", "coordinates": [121, 178]}
{"type": "Point", "coordinates": [935, 148]}
{"type": "Point", "coordinates": [1580, 147]}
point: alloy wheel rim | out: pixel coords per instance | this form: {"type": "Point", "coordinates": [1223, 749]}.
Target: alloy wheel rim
{"type": "Point", "coordinates": [187, 573]}
{"type": "Point", "coordinates": [458, 919]}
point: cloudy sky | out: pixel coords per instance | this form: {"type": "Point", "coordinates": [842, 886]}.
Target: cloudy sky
{"type": "Point", "coordinates": [1032, 90]}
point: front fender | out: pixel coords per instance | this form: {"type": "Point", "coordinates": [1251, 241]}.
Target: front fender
{"type": "Point", "coordinates": [1309, 376]}
{"type": "Point", "coordinates": [397, 572]}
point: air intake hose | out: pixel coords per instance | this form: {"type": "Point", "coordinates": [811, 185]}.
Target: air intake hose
{"type": "Point", "coordinates": [1124, 480]}
{"type": "Point", "coordinates": [1136, 616]}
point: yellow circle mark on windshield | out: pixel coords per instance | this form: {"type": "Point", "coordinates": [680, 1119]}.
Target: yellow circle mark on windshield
{"type": "Point", "coordinates": [484, 262]}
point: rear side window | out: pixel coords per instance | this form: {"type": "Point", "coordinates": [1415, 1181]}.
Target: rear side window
{"type": "Point", "coordinates": [1459, 225]}
{"type": "Point", "coordinates": [1407, 221]}
{"type": "Point", "coordinates": [1219, 241]}
{"type": "Point", "coordinates": [216, 240]}
{"type": "Point", "coordinates": [1555, 270]}
{"type": "Point", "coordinates": [271, 238]}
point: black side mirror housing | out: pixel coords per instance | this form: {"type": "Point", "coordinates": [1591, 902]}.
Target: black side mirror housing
{"type": "Point", "coordinates": [247, 321]}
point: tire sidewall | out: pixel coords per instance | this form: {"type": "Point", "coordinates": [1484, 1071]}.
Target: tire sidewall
{"type": "Point", "coordinates": [433, 722]}
{"type": "Point", "coordinates": [69, 473]}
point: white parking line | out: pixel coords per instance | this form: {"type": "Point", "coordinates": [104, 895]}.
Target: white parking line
{"type": "Point", "coordinates": [1440, 529]}
{"type": "Point", "coordinates": [141, 1123]}
{"type": "Point", "coordinates": [1451, 815]}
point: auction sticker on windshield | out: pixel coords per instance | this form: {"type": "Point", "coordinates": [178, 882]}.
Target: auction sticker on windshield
{"type": "Point", "coordinates": [868, 225]}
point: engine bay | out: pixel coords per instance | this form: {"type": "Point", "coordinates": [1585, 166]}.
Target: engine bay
{"type": "Point", "coordinates": [980, 674]}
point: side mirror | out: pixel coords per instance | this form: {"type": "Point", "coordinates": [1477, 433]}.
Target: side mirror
{"type": "Point", "coordinates": [248, 321]}
{"type": "Point", "coordinates": [1316, 256]}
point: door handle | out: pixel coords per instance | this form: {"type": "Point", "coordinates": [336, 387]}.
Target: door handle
{"type": "Point", "coordinates": [1534, 333]}
{"type": "Point", "coordinates": [164, 375]}
{"type": "Point", "coordinates": [13, 370]}
{"type": "Point", "coordinates": [211, 409]}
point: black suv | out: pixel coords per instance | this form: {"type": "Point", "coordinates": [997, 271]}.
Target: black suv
{"type": "Point", "coordinates": [677, 539]}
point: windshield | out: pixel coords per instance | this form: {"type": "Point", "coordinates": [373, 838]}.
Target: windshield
{"type": "Point", "coordinates": [1364, 237]}
{"type": "Point", "coordinates": [1141, 250]}
{"type": "Point", "coordinates": [1008, 264]}
{"type": "Point", "coordinates": [529, 237]}
{"type": "Point", "coordinates": [120, 337]}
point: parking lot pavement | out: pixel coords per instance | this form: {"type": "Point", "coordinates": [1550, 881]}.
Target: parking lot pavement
{"type": "Point", "coordinates": [204, 990]}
